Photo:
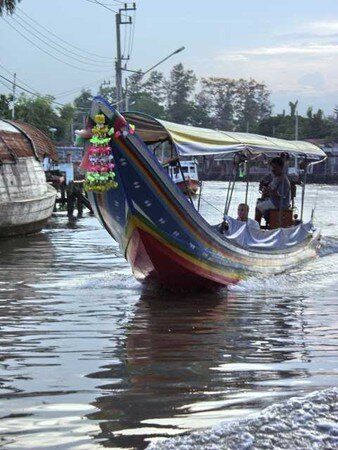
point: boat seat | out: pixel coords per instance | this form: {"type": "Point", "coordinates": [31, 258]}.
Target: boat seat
{"type": "Point", "coordinates": [280, 219]}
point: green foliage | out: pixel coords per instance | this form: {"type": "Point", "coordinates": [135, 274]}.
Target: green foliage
{"type": "Point", "coordinates": [107, 91]}
{"type": "Point", "coordinates": [65, 128]}
{"type": "Point", "coordinates": [5, 111]}
{"type": "Point", "coordinates": [218, 98]}
{"type": "Point", "coordinates": [82, 106]}
{"type": "Point", "coordinates": [155, 87]}
{"type": "Point", "coordinates": [37, 111]}
{"type": "Point", "coordinates": [313, 126]}
{"type": "Point", "coordinates": [293, 108]}
{"type": "Point", "coordinates": [147, 95]}
{"type": "Point", "coordinates": [252, 104]}
{"type": "Point", "coordinates": [180, 88]}
{"type": "Point", "coordinates": [146, 104]}
{"type": "Point", "coordinates": [221, 103]}
{"type": "Point", "coordinates": [8, 6]}
{"type": "Point", "coordinates": [233, 104]}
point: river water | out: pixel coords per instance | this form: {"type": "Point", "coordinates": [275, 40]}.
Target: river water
{"type": "Point", "coordinates": [90, 359]}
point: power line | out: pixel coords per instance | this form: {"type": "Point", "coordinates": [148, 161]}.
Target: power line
{"type": "Point", "coordinates": [86, 58]}
{"type": "Point", "coordinates": [106, 7]}
{"type": "Point", "coordinates": [58, 37]}
{"type": "Point", "coordinates": [102, 4]}
{"type": "Point", "coordinates": [118, 2]}
{"type": "Point", "coordinates": [45, 51]}
{"type": "Point", "coordinates": [6, 85]}
{"type": "Point", "coordinates": [17, 85]}
{"type": "Point", "coordinates": [62, 94]}
{"type": "Point", "coordinates": [21, 81]}
{"type": "Point", "coordinates": [52, 101]}
{"type": "Point", "coordinates": [53, 47]}
{"type": "Point", "coordinates": [33, 93]}
{"type": "Point", "coordinates": [131, 35]}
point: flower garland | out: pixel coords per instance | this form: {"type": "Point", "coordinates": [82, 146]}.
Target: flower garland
{"type": "Point", "coordinates": [100, 176]}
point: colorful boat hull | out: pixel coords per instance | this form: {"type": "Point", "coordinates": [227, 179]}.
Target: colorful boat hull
{"type": "Point", "coordinates": [165, 239]}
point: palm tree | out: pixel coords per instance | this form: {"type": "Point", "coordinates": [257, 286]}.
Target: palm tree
{"type": "Point", "coordinates": [8, 6]}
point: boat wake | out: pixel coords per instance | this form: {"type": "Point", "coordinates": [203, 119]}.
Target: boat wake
{"type": "Point", "coordinates": [318, 273]}
{"type": "Point", "coordinates": [329, 245]}
{"type": "Point", "coordinates": [309, 422]}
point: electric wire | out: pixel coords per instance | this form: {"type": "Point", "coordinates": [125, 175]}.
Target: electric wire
{"type": "Point", "coordinates": [35, 93]}
{"type": "Point", "coordinates": [58, 37]}
{"type": "Point", "coordinates": [61, 94]}
{"type": "Point", "coordinates": [86, 58]}
{"type": "Point", "coordinates": [133, 35]}
{"type": "Point", "coordinates": [6, 85]}
{"type": "Point", "coordinates": [106, 7]}
{"type": "Point", "coordinates": [114, 102]}
{"type": "Point", "coordinates": [38, 36]}
{"type": "Point", "coordinates": [48, 53]}
{"type": "Point", "coordinates": [124, 42]}
{"type": "Point", "coordinates": [73, 91]}
{"type": "Point", "coordinates": [103, 5]}
{"type": "Point", "coordinates": [19, 79]}
{"type": "Point", "coordinates": [18, 86]}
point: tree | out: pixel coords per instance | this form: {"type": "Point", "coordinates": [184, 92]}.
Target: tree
{"type": "Point", "coordinates": [201, 111]}
{"type": "Point", "coordinates": [66, 126]}
{"type": "Point", "coordinates": [219, 97]}
{"type": "Point", "coordinates": [319, 127]}
{"type": "Point", "coordinates": [108, 92]}
{"type": "Point", "coordinates": [146, 104]}
{"type": "Point", "coordinates": [335, 112]}
{"type": "Point", "coordinates": [252, 103]}
{"type": "Point", "coordinates": [155, 87]}
{"type": "Point", "coordinates": [5, 111]}
{"type": "Point", "coordinates": [293, 108]}
{"type": "Point", "coordinates": [134, 86]}
{"type": "Point", "coordinates": [180, 87]}
{"type": "Point", "coordinates": [309, 112]}
{"type": "Point", "coordinates": [8, 6]}
{"type": "Point", "coordinates": [37, 111]}
{"type": "Point", "coordinates": [82, 105]}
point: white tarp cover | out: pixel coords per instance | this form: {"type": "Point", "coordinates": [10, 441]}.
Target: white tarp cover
{"type": "Point", "coordinates": [195, 141]}
{"type": "Point", "coordinates": [245, 236]}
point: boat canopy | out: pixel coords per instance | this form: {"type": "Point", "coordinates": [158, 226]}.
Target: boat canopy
{"type": "Point", "coordinates": [195, 141]}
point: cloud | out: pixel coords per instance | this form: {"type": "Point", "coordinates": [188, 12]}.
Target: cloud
{"type": "Point", "coordinates": [313, 50]}
{"type": "Point", "coordinates": [311, 31]}
{"type": "Point", "coordinates": [324, 27]}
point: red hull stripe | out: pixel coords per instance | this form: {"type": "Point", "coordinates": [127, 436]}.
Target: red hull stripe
{"type": "Point", "coordinates": [156, 248]}
{"type": "Point", "coordinates": [178, 212]}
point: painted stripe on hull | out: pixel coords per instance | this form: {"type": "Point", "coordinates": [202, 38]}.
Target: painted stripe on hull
{"type": "Point", "coordinates": [154, 259]}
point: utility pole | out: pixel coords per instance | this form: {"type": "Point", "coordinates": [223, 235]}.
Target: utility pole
{"type": "Point", "coordinates": [119, 56]}
{"type": "Point", "coordinates": [296, 126]}
{"type": "Point", "coordinates": [14, 94]}
{"type": "Point", "coordinates": [126, 106]}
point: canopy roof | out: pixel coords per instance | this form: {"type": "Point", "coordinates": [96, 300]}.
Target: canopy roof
{"type": "Point", "coordinates": [195, 141]}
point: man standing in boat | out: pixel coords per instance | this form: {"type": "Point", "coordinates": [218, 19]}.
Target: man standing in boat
{"type": "Point", "coordinates": [279, 191]}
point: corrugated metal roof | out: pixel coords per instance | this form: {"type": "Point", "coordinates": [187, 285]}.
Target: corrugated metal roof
{"type": "Point", "coordinates": [19, 139]}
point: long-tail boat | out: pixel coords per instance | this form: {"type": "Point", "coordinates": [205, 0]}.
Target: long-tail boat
{"type": "Point", "coordinates": [161, 232]}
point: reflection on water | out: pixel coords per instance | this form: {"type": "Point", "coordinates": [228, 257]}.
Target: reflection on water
{"type": "Point", "coordinates": [90, 360]}
{"type": "Point", "coordinates": [188, 364]}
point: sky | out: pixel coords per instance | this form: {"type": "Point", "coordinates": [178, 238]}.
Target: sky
{"type": "Point", "coordinates": [290, 45]}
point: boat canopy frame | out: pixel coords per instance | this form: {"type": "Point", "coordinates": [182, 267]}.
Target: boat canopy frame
{"type": "Point", "coordinates": [189, 141]}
